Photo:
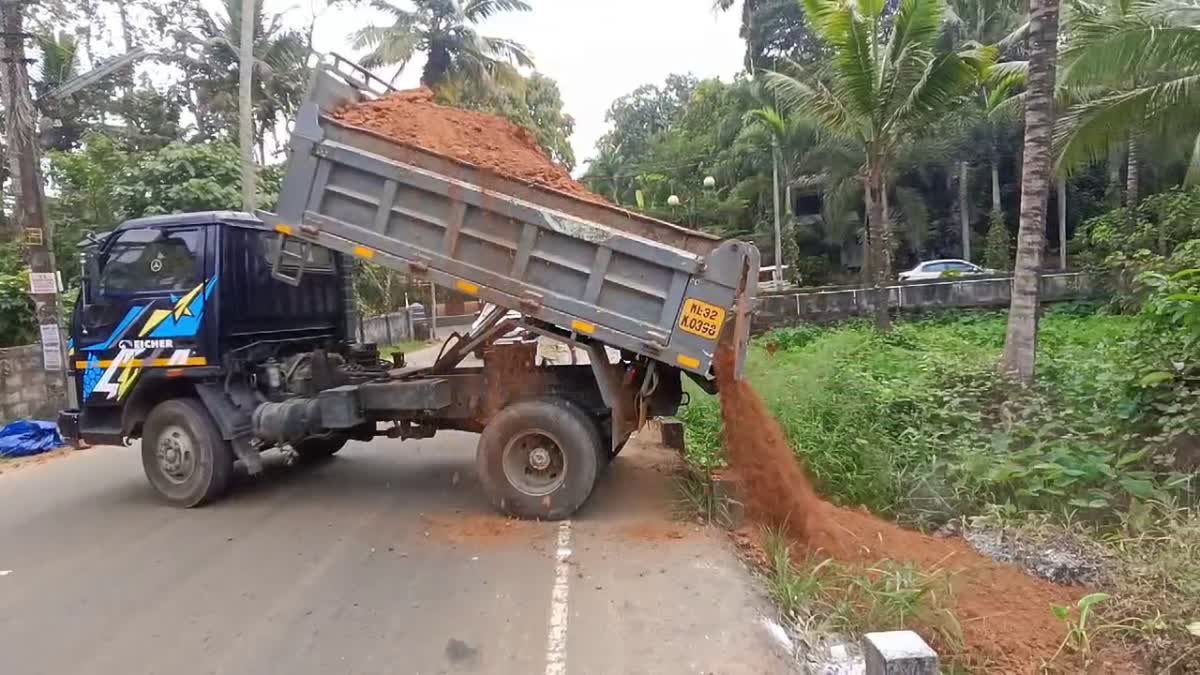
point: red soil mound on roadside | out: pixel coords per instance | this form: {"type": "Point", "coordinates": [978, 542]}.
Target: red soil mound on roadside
{"type": "Point", "coordinates": [1005, 615]}
{"type": "Point", "coordinates": [485, 141]}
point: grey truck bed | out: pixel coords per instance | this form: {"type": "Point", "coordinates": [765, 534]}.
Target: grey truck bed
{"type": "Point", "coordinates": [598, 271]}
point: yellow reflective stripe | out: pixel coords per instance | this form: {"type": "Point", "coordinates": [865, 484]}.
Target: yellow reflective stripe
{"type": "Point", "coordinates": [148, 363]}
{"type": "Point", "coordinates": [364, 252]}
{"type": "Point", "coordinates": [284, 229]}
{"type": "Point", "coordinates": [583, 327]}
{"type": "Point", "coordinates": [467, 287]}
{"type": "Point", "coordinates": [687, 361]}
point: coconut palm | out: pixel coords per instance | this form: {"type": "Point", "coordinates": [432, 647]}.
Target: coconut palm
{"type": "Point", "coordinates": [280, 73]}
{"type": "Point", "coordinates": [608, 171]}
{"type": "Point", "coordinates": [887, 82]}
{"type": "Point", "coordinates": [1020, 344]}
{"type": "Point", "coordinates": [445, 31]}
{"type": "Point", "coordinates": [1136, 70]}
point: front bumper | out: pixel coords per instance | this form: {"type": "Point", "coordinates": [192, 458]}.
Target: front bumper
{"type": "Point", "coordinates": [68, 426]}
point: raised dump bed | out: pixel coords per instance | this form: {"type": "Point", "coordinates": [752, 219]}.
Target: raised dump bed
{"type": "Point", "coordinates": [583, 266]}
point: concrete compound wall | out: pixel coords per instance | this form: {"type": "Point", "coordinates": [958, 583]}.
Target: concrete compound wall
{"type": "Point", "coordinates": [388, 329]}
{"type": "Point", "coordinates": [23, 379]}
{"type": "Point", "coordinates": [834, 303]}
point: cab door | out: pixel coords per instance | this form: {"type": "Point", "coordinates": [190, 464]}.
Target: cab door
{"type": "Point", "coordinates": [145, 311]}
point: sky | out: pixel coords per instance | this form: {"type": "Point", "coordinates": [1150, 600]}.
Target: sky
{"type": "Point", "coordinates": [597, 50]}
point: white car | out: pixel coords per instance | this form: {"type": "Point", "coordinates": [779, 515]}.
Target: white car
{"type": "Point", "coordinates": [935, 269]}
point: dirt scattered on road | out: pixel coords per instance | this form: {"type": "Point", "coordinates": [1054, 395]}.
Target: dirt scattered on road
{"type": "Point", "coordinates": [1005, 615]}
{"type": "Point", "coordinates": [11, 466]}
{"type": "Point", "coordinates": [488, 142]}
{"type": "Point", "coordinates": [654, 531]}
{"type": "Point", "coordinates": [484, 529]}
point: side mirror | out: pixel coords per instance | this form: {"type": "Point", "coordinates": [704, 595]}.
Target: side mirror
{"type": "Point", "coordinates": [91, 279]}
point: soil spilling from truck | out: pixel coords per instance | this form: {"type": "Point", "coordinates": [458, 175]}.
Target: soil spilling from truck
{"type": "Point", "coordinates": [485, 141]}
{"type": "Point", "coordinates": [1004, 622]}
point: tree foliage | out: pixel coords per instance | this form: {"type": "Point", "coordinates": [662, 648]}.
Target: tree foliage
{"type": "Point", "coordinates": [533, 102]}
{"type": "Point", "coordinates": [1133, 68]}
{"type": "Point", "coordinates": [997, 252]}
{"type": "Point", "coordinates": [446, 32]}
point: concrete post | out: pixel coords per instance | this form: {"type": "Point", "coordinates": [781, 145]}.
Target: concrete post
{"type": "Point", "coordinates": [898, 652]}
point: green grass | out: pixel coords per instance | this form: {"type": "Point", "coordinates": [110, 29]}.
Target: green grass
{"type": "Point", "coordinates": [404, 347]}
{"type": "Point", "coordinates": [919, 425]}
{"type": "Point", "coordinates": [830, 597]}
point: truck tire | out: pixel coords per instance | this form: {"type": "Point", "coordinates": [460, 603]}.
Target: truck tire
{"type": "Point", "coordinates": [183, 453]}
{"type": "Point", "coordinates": [539, 459]}
{"type": "Point", "coordinates": [319, 447]}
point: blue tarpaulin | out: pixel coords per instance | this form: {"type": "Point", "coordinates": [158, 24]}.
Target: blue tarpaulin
{"type": "Point", "coordinates": [29, 437]}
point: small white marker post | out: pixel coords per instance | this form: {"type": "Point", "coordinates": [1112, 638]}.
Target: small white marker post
{"type": "Point", "coordinates": [898, 652]}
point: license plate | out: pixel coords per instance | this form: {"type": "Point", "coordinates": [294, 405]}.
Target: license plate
{"type": "Point", "coordinates": [701, 318]}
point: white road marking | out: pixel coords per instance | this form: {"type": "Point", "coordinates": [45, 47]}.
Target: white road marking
{"type": "Point", "coordinates": [556, 639]}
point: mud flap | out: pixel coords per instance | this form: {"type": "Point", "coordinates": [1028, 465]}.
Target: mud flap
{"type": "Point", "coordinates": [234, 423]}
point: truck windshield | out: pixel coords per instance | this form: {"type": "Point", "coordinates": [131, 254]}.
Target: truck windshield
{"type": "Point", "coordinates": [153, 260]}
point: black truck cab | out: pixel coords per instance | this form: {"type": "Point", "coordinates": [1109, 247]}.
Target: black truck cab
{"type": "Point", "coordinates": [166, 298]}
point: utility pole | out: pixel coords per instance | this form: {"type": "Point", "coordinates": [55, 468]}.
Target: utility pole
{"type": "Point", "coordinates": [245, 120]}
{"type": "Point", "coordinates": [29, 223]}
{"type": "Point", "coordinates": [432, 311]}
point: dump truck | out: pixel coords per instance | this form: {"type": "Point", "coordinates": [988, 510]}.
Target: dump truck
{"type": "Point", "coordinates": [214, 337]}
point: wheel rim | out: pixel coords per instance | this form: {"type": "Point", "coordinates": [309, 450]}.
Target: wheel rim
{"type": "Point", "coordinates": [176, 454]}
{"type": "Point", "coordinates": [534, 463]}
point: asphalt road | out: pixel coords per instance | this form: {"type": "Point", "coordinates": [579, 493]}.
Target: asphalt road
{"type": "Point", "coordinates": [385, 559]}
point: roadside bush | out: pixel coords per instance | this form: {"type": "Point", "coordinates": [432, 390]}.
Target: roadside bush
{"type": "Point", "coordinates": [917, 423]}
{"type": "Point", "coordinates": [997, 251]}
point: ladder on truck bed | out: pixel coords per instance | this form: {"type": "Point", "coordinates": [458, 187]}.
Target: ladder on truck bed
{"type": "Point", "coordinates": [590, 270]}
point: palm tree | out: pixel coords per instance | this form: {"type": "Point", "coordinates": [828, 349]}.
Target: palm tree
{"type": "Point", "coordinates": [445, 31]}
{"type": "Point", "coordinates": [1020, 344]}
{"type": "Point", "coordinates": [608, 171]}
{"type": "Point", "coordinates": [1136, 71]}
{"type": "Point", "coordinates": [885, 85]}
{"type": "Point", "coordinates": [280, 71]}
{"type": "Point", "coordinates": [973, 24]}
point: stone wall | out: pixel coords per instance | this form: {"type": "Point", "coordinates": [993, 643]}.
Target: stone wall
{"type": "Point", "coordinates": [23, 391]}
{"type": "Point", "coordinates": [388, 329]}
{"type": "Point", "coordinates": [835, 303]}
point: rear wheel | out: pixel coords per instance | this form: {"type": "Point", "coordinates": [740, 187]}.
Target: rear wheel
{"type": "Point", "coordinates": [183, 454]}
{"type": "Point", "coordinates": [319, 447]}
{"type": "Point", "coordinates": [539, 459]}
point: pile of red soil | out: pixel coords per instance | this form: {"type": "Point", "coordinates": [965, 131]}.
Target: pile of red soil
{"type": "Point", "coordinates": [485, 141]}
{"type": "Point", "coordinates": [1005, 615]}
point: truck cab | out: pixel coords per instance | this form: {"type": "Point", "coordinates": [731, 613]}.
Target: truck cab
{"type": "Point", "coordinates": [166, 298]}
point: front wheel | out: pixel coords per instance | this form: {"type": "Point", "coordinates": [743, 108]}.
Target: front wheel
{"type": "Point", "coordinates": [183, 454]}
{"type": "Point", "coordinates": [539, 459]}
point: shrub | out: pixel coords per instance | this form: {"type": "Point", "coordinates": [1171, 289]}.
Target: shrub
{"type": "Point", "coordinates": [997, 252]}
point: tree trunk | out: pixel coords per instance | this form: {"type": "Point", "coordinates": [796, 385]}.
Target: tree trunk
{"type": "Point", "coordinates": [29, 224]}
{"type": "Point", "coordinates": [126, 29]}
{"type": "Point", "coordinates": [865, 267]}
{"type": "Point", "coordinates": [1020, 343]}
{"type": "Point", "coordinates": [1062, 222]}
{"type": "Point", "coordinates": [778, 275]}
{"type": "Point", "coordinates": [996, 206]}
{"type": "Point", "coordinates": [877, 232]}
{"type": "Point", "coordinates": [1112, 190]}
{"type": "Point", "coordinates": [245, 124]}
{"type": "Point", "coordinates": [964, 214]}
{"type": "Point", "coordinates": [1132, 184]}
